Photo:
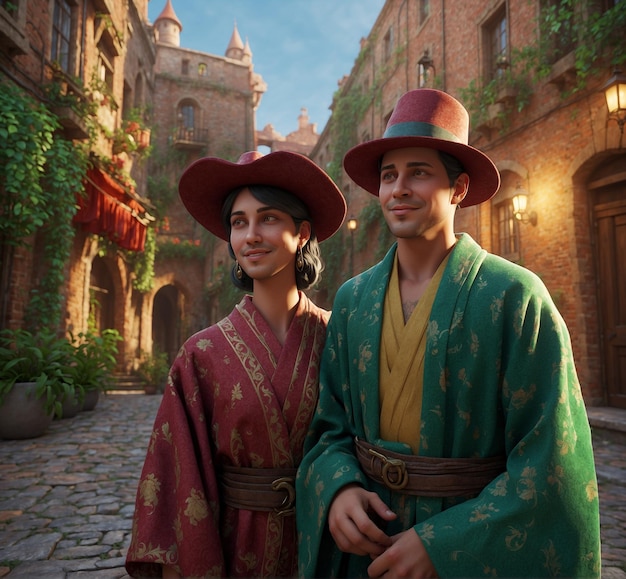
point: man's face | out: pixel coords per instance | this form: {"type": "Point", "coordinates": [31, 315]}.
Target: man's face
{"type": "Point", "coordinates": [415, 193]}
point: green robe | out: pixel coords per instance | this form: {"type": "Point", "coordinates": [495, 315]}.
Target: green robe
{"type": "Point", "coordinates": [499, 378]}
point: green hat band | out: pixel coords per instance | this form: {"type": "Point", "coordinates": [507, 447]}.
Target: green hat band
{"type": "Point", "coordinates": [416, 129]}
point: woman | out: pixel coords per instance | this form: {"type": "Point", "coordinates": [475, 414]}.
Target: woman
{"type": "Point", "coordinates": [216, 495]}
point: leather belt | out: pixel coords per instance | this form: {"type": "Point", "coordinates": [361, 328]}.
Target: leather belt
{"type": "Point", "coordinates": [259, 489]}
{"type": "Point", "coordinates": [428, 476]}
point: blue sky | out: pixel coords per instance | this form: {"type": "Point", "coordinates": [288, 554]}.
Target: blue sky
{"type": "Point", "coordinates": [301, 48]}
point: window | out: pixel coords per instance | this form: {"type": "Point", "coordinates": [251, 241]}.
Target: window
{"type": "Point", "coordinates": [496, 44]}
{"type": "Point", "coordinates": [61, 32]}
{"type": "Point", "coordinates": [424, 11]}
{"type": "Point", "coordinates": [508, 231]}
{"type": "Point", "coordinates": [388, 44]}
{"type": "Point", "coordinates": [184, 67]}
{"type": "Point", "coordinates": [202, 69]}
{"type": "Point", "coordinates": [187, 114]}
{"type": "Point", "coordinates": [105, 69]}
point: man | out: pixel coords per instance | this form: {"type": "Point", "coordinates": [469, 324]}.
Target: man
{"type": "Point", "coordinates": [451, 437]}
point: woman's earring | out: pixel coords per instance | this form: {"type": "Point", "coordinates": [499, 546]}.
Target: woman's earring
{"type": "Point", "coordinates": [238, 271]}
{"type": "Point", "coordinates": [299, 259]}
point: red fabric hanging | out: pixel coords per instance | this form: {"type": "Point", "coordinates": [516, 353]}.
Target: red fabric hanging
{"type": "Point", "coordinates": [106, 209]}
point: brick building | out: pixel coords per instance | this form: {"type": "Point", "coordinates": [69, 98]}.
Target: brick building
{"type": "Point", "coordinates": [551, 138]}
{"type": "Point", "coordinates": [88, 65]}
{"type": "Point", "coordinates": [204, 105]}
{"type": "Point", "coordinates": [142, 107]}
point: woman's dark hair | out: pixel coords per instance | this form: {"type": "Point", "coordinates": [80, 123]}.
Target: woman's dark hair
{"type": "Point", "coordinates": [452, 165]}
{"type": "Point", "coordinates": [290, 204]}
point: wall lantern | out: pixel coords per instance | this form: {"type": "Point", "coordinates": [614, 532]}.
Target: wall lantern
{"type": "Point", "coordinates": [520, 207]}
{"type": "Point", "coordinates": [352, 224]}
{"type": "Point", "coordinates": [615, 95]}
{"type": "Point", "coordinates": [424, 64]}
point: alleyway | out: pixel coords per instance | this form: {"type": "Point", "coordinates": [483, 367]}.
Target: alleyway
{"type": "Point", "coordinates": [66, 499]}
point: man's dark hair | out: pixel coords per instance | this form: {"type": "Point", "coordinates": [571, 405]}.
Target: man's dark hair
{"type": "Point", "coordinates": [453, 166]}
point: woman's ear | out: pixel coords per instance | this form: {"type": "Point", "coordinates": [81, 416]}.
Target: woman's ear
{"type": "Point", "coordinates": [461, 187]}
{"type": "Point", "coordinates": [305, 233]}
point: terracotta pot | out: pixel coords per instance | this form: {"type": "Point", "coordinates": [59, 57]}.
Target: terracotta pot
{"type": "Point", "coordinates": [22, 415]}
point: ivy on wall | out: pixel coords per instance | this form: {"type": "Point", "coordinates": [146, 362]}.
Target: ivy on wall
{"type": "Point", "coordinates": [595, 37]}
{"type": "Point", "coordinates": [40, 175]}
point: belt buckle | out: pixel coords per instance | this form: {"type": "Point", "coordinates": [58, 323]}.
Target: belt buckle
{"type": "Point", "coordinates": [393, 471]}
{"type": "Point", "coordinates": [288, 506]}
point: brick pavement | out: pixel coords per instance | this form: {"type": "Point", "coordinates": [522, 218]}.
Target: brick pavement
{"type": "Point", "coordinates": [67, 498]}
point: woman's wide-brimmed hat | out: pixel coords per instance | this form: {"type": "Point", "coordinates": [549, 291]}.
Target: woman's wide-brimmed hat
{"type": "Point", "coordinates": [206, 183]}
{"type": "Point", "coordinates": [426, 118]}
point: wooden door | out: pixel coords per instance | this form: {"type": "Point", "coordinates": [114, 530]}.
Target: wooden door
{"type": "Point", "coordinates": [610, 222]}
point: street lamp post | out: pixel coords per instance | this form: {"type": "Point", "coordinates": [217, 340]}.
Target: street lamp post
{"type": "Point", "coordinates": [352, 224]}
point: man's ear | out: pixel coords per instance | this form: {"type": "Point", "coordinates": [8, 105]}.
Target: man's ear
{"type": "Point", "coordinates": [461, 187]}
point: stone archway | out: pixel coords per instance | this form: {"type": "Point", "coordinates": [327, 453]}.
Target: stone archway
{"type": "Point", "coordinates": [101, 296]}
{"type": "Point", "coordinates": [166, 321]}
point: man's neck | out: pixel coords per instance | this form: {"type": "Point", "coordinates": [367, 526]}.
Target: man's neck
{"type": "Point", "coordinates": [418, 260]}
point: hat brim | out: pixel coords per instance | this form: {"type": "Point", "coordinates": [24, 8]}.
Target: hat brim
{"type": "Point", "coordinates": [362, 164]}
{"type": "Point", "coordinates": [206, 183]}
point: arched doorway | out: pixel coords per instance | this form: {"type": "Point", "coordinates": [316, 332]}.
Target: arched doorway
{"type": "Point", "coordinates": [607, 187]}
{"type": "Point", "coordinates": [101, 297]}
{"type": "Point", "coordinates": [166, 317]}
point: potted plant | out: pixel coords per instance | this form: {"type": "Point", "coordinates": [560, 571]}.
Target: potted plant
{"type": "Point", "coordinates": [93, 362]}
{"type": "Point", "coordinates": [153, 370]}
{"type": "Point", "coordinates": [33, 382]}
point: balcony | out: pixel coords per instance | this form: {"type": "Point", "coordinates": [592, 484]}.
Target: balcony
{"type": "Point", "coordinates": [190, 138]}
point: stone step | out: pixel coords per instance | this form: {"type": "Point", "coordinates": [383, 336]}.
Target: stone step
{"type": "Point", "coordinates": [127, 383]}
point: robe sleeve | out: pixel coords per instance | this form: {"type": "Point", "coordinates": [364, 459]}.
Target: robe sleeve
{"type": "Point", "coordinates": [177, 513]}
{"type": "Point", "coordinates": [330, 462]}
{"type": "Point", "coordinates": [540, 517]}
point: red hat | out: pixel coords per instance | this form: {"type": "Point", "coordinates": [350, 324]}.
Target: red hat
{"type": "Point", "coordinates": [426, 118]}
{"type": "Point", "coordinates": [206, 183]}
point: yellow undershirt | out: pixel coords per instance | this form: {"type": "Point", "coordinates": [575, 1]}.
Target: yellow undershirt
{"type": "Point", "coordinates": [402, 361]}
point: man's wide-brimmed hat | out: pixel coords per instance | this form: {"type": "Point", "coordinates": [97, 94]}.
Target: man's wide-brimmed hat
{"type": "Point", "coordinates": [426, 118]}
{"type": "Point", "coordinates": [206, 183]}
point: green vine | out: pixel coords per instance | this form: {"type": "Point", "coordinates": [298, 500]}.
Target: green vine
{"type": "Point", "coordinates": [40, 176]}
{"type": "Point", "coordinates": [181, 249]}
{"type": "Point", "coordinates": [370, 218]}
{"type": "Point", "coordinates": [143, 263]}
{"type": "Point", "coordinates": [347, 107]}
{"type": "Point", "coordinates": [596, 36]}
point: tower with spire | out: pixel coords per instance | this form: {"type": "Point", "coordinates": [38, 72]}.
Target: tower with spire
{"type": "Point", "coordinates": [167, 26]}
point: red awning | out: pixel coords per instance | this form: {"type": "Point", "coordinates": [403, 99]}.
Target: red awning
{"type": "Point", "coordinates": [106, 209]}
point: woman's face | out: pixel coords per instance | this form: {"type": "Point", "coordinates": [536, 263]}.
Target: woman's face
{"type": "Point", "coordinates": [264, 239]}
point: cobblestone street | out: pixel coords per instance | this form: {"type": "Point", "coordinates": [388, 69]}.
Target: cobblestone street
{"type": "Point", "coordinates": [67, 498]}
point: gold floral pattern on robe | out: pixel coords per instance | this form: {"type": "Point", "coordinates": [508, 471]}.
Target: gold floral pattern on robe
{"type": "Point", "coordinates": [235, 396]}
{"type": "Point", "coordinates": [499, 378]}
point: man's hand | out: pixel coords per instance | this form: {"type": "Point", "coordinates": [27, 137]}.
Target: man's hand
{"type": "Point", "coordinates": [350, 523]}
{"type": "Point", "coordinates": [406, 557]}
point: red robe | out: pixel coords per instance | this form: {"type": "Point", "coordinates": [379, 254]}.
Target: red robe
{"type": "Point", "coordinates": [235, 396]}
